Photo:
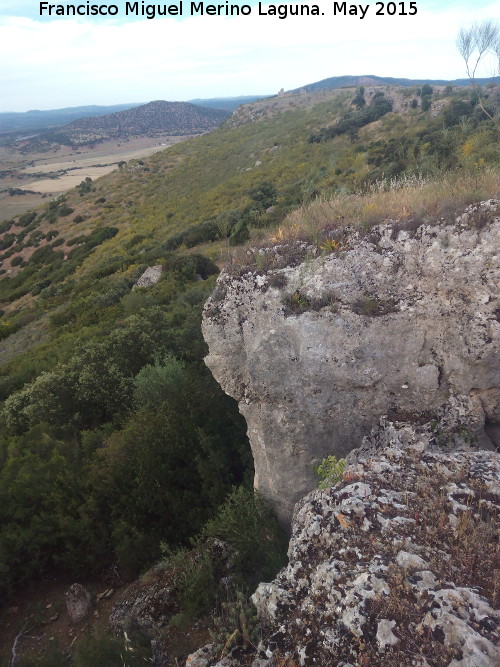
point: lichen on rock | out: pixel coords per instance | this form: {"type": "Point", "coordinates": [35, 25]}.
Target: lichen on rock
{"type": "Point", "coordinates": [407, 576]}
{"type": "Point", "coordinates": [393, 324]}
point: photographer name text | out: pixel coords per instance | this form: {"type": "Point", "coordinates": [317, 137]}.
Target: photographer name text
{"type": "Point", "coordinates": [181, 8]}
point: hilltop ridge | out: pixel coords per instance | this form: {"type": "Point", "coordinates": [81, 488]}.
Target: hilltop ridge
{"type": "Point", "coordinates": [157, 117]}
{"type": "Point", "coordinates": [373, 80]}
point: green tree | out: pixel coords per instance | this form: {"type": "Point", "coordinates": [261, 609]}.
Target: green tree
{"type": "Point", "coordinates": [264, 194]}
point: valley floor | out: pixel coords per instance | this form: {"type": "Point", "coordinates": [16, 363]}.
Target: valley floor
{"type": "Point", "coordinates": [54, 173]}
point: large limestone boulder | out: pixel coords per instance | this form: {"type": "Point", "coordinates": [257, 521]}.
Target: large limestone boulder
{"type": "Point", "coordinates": [396, 564]}
{"type": "Point", "coordinates": [392, 324]}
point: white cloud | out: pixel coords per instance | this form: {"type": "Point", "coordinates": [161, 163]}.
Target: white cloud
{"type": "Point", "coordinates": [68, 62]}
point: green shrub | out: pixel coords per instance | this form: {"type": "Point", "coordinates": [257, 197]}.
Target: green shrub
{"type": "Point", "coordinates": [240, 234]}
{"type": "Point", "coordinates": [44, 255]}
{"type": "Point", "coordinates": [99, 648]}
{"type": "Point", "coordinates": [351, 122]}
{"type": "Point", "coordinates": [244, 541]}
{"type": "Point", "coordinates": [247, 523]}
{"type": "Point", "coordinates": [64, 210]}
{"type": "Point", "coordinates": [235, 623]}
{"type": "Point", "coordinates": [159, 382]}
{"type": "Point", "coordinates": [26, 219]}
{"type": "Point", "coordinates": [7, 241]}
{"type": "Point", "coordinates": [15, 261]}
{"type": "Point", "coordinates": [330, 471]}
{"type": "Point", "coordinates": [5, 226]}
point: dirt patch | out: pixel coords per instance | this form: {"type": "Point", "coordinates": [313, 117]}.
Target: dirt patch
{"type": "Point", "coordinates": [39, 613]}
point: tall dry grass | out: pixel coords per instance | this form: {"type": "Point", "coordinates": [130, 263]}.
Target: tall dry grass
{"type": "Point", "coordinates": [412, 199]}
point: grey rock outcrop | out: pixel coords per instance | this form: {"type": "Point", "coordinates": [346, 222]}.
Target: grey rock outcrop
{"type": "Point", "coordinates": [150, 276]}
{"type": "Point", "coordinates": [393, 323]}
{"type": "Point", "coordinates": [78, 603]}
{"type": "Point", "coordinates": [394, 565]}
{"type": "Point", "coordinates": [146, 605]}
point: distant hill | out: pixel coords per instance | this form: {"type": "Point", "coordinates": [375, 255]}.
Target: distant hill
{"type": "Point", "coordinates": [228, 103]}
{"type": "Point", "coordinates": [153, 119]}
{"type": "Point", "coordinates": [371, 80]}
{"type": "Point", "coordinates": [176, 118]}
{"type": "Point", "coordinates": [42, 120]}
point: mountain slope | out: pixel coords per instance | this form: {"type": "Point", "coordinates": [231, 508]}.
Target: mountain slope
{"type": "Point", "coordinates": [153, 119]}
{"type": "Point", "coordinates": [371, 80]}
{"type": "Point", "coordinates": [39, 120]}
{"type": "Point", "coordinates": [158, 116]}
{"type": "Point", "coordinates": [103, 385]}
{"type": "Point", "coordinates": [228, 103]}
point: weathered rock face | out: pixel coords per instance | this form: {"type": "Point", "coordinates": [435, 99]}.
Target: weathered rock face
{"type": "Point", "coordinates": [393, 324]}
{"type": "Point", "coordinates": [150, 276]}
{"type": "Point", "coordinates": [146, 605]}
{"type": "Point", "coordinates": [394, 565]}
{"type": "Point", "coordinates": [78, 603]}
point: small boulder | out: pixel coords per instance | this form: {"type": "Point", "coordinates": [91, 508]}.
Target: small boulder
{"type": "Point", "coordinates": [78, 602]}
{"type": "Point", "coordinates": [150, 276]}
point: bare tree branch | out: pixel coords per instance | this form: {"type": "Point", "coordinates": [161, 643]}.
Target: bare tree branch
{"type": "Point", "coordinates": [474, 44]}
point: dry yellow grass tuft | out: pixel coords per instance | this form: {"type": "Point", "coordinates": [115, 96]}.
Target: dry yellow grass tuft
{"type": "Point", "coordinates": [410, 199]}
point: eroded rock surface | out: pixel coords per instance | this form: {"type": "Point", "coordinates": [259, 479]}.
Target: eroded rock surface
{"type": "Point", "coordinates": [392, 324]}
{"type": "Point", "coordinates": [78, 603]}
{"type": "Point", "coordinates": [394, 566]}
{"type": "Point", "coordinates": [150, 276]}
{"type": "Point", "coordinates": [146, 605]}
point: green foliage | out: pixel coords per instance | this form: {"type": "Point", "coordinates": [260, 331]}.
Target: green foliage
{"type": "Point", "coordinates": [38, 471]}
{"type": "Point", "coordinates": [296, 303]}
{"type": "Point", "coordinates": [330, 471]}
{"type": "Point", "coordinates": [246, 522]}
{"type": "Point", "coordinates": [351, 122]}
{"type": "Point", "coordinates": [100, 648]}
{"type": "Point", "coordinates": [26, 218]}
{"type": "Point", "coordinates": [85, 186]}
{"type": "Point", "coordinates": [235, 623]}
{"type": "Point", "coordinates": [5, 226]}
{"type": "Point", "coordinates": [263, 194]}
{"type": "Point", "coordinates": [359, 101]}
{"type": "Point", "coordinates": [44, 255]}
{"type": "Point", "coordinates": [243, 540]}
{"type": "Point", "coordinates": [240, 233]}
{"type": "Point", "coordinates": [160, 382]}
{"type": "Point", "coordinates": [7, 241]}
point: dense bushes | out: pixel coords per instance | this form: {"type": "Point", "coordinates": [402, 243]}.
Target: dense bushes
{"type": "Point", "coordinates": [243, 543]}
{"type": "Point", "coordinates": [131, 438]}
{"type": "Point", "coordinates": [353, 121]}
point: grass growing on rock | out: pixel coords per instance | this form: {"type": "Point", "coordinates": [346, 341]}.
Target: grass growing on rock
{"type": "Point", "coordinates": [326, 225]}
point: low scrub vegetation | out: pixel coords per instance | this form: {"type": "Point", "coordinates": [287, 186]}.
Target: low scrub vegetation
{"type": "Point", "coordinates": [110, 424]}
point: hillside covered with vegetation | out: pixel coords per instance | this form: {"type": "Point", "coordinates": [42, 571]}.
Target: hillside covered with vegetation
{"type": "Point", "coordinates": [115, 440]}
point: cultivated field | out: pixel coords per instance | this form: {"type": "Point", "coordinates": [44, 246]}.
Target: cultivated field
{"type": "Point", "coordinates": [47, 175]}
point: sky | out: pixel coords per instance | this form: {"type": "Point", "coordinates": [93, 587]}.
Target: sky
{"type": "Point", "coordinates": [53, 62]}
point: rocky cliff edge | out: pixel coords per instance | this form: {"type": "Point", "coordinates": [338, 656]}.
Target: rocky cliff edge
{"type": "Point", "coordinates": [391, 322]}
{"type": "Point", "coordinates": [395, 566]}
